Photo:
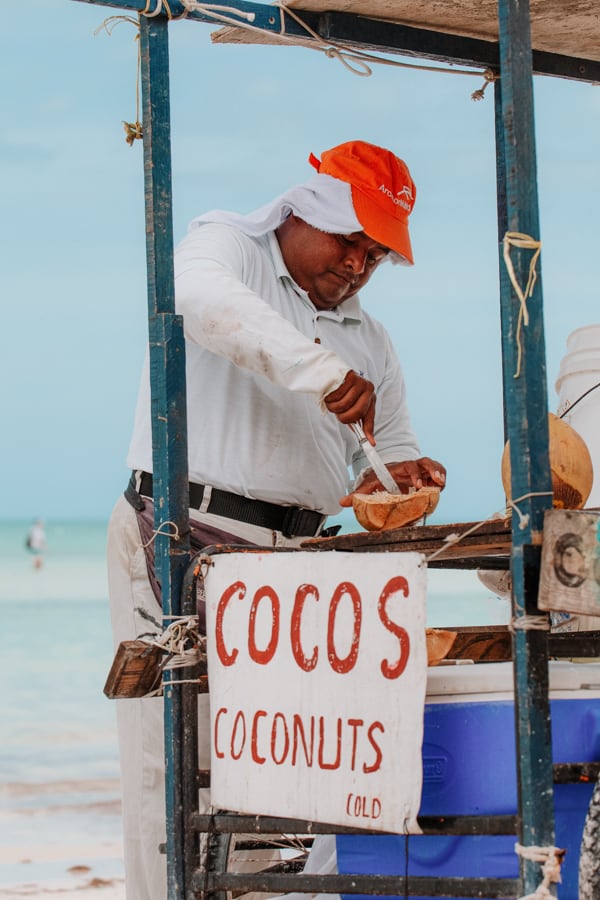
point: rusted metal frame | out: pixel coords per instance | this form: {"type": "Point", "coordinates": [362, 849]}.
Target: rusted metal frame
{"type": "Point", "coordinates": [168, 410]}
{"type": "Point", "coordinates": [576, 773]}
{"type": "Point", "coordinates": [391, 37]}
{"type": "Point", "coordinates": [526, 406]}
{"type": "Point", "coordinates": [233, 823]}
{"type": "Point", "coordinates": [374, 885]}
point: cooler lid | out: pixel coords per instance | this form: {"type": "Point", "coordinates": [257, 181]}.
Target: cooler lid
{"type": "Point", "coordinates": [485, 681]}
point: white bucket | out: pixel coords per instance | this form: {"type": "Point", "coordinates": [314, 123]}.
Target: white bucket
{"type": "Point", "coordinates": [580, 371]}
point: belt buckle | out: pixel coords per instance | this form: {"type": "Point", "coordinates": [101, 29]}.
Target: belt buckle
{"type": "Point", "coordinates": [294, 519]}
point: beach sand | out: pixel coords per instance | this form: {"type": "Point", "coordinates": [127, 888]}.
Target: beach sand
{"type": "Point", "coordinates": [48, 872]}
{"type": "Point", "coordinates": [91, 889]}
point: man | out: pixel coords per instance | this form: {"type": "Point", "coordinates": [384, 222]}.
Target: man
{"type": "Point", "coordinates": [280, 360]}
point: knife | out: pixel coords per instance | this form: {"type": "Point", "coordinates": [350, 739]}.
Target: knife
{"type": "Point", "coordinates": [377, 464]}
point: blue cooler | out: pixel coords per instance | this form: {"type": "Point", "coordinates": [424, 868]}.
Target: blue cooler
{"type": "Point", "coordinates": [469, 768]}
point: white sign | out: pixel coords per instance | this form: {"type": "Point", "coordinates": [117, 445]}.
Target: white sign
{"type": "Point", "coordinates": [317, 667]}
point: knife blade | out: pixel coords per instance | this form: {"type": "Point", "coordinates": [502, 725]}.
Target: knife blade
{"type": "Point", "coordinates": [377, 464]}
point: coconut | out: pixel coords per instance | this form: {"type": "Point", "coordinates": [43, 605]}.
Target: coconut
{"type": "Point", "coordinates": [570, 465]}
{"type": "Point", "coordinates": [439, 643]}
{"type": "Point", "coordinates": [382, 510]}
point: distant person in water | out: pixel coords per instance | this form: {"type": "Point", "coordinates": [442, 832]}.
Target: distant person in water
{"type": "Point", "coordinates": [36, 543]}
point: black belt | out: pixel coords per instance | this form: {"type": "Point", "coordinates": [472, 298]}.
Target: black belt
{"type": "Point", "coordinates": [291, 521]}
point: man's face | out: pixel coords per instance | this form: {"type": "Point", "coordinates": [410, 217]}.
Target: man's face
{"type": "Point", "coordinates": [329, 267]}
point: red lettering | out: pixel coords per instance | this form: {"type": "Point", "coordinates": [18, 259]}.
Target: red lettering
{"type": "Point", "coordinates": [338, 664]}
{"type": "Point", "coordinates": [298, 732]}
{"type": "Point", "coordinates": [356, 806]}
{"type": "Point", "coordinates": [307, 664]}
{"type": "Point", "coordinates": [286, 738]}
{"type": "Point", "coordinates": [354, 724]}
{"type": "Point", "coordinates": [393, 586]}
{"type": "Point", "coordinates": [263, 656]}
{"type": "Point", "coordinates": [239, 588]}
{"type": "Point", "coordinates": [260, 714]}
{"type": "Point", "coordinates": [220, 712]}
{"type": "Point", "coordinates": [336, 763]}
{"type": "Point", "coordinates": [378, 753]}
{"type": "Point", "coordinates": [238, 722]}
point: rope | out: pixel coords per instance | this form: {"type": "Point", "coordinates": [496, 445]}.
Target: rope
{"type": "Point", "coordinates": [490, 76]}
{"type": "Point", "coordinates": [524, 242]}
{"type": "Point", "coordinates": [454, 538]}
{"type": "Point", "coordinates": [550, 859]}
{"type": "Point", "coordinates": [172, 534]}
{"type": "Point", "coordinates": [529, 623]}
{"type": "Point", "coordinates": [223, 14]}
{"type": "Point", "coordinates": [176, 635]}
{"type": "Point", "coordinates": [175, 642]}
{"type": "Point", "coordinates": [523, 518]}
{"type": "Point", "coordinates": [133, 130]}
{"type": "Point", "coordinates": [356, 61]}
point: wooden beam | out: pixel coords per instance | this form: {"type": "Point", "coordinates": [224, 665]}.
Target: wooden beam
{"type": "Point", "coordinates": [168, 408]}
{"type": "Point", "coordinates": [368, 34]}
{"type": "Point", "coordinates": [526, 416]}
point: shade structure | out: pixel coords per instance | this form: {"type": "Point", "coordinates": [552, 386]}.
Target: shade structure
{"type": "Point", "coordinates": [565, 28]}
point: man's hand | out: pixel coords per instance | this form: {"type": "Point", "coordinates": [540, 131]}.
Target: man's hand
{"type": "Point", "coordinates": [412, 473]}
{"type": "Point", "coordinates": [354, 401]}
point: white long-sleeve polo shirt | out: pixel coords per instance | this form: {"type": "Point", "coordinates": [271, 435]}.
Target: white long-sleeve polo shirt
{"type": "Point", "coordinates": [260, 358]}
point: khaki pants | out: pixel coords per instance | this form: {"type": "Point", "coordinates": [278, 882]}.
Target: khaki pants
{"type": "Point", "coordinates": [140, 722]}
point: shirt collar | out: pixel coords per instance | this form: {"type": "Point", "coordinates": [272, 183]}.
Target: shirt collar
{"type": "Point", "coordinates": [350, 310]}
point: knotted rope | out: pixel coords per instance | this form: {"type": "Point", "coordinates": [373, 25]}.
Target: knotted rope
{"type": "Point", "coordinates": [182, 644]}
{"type": "Point", "coordinates": [174, 534]}
{"type": "Point", "coordinates": [550, 859]}
{"type": "Point", "coordinates": [455, 538]}
{"type": "Point", "coordinates": [524, 242]}
{"type": "Point", "coordinates": [356, 61]}
{"type": "Point", "coordinates": [529, 623]}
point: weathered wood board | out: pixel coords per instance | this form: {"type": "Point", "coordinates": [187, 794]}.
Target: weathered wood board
{"type": "Point", "coordinates": [570, 568]}
{"type": "Point", "coordinates": [135, 670]}
{"type": "Point", "coordinates": [317, 665]}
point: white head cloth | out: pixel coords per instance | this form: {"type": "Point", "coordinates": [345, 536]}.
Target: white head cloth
{"type": "Point", "coordinates": [324, 202]}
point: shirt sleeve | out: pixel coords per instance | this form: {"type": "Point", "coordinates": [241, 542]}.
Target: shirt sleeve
{"type": "Point", "coordinates": [224, 315]}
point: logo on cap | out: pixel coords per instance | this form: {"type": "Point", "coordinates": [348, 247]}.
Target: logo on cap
{"type": "Point", "coordinates": [403, 198]}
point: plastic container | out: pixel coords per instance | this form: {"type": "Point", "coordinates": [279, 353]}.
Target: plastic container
{"type": "Point", "coordinates": [579, 371]}
{"type": "Point", "coordinates": [469, 768]}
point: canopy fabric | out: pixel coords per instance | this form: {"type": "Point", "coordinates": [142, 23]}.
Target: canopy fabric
{"type": "Point", "coordinates": [566, 27]}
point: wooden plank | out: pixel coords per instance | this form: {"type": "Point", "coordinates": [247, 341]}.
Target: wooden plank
{"type": "Point", "coordinates": [135, 671]}
{"type": "Point", "coordinates": [570, 574]}
{"type": "Point", "coordinates": [484, 539]}
{"type": "Point", "coordinates": [493, 643]}
{"type": "Point", "coordinates": [482, 644]}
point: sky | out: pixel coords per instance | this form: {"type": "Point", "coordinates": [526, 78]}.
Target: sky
{"type": "Point", "coordinates": [244, 120]}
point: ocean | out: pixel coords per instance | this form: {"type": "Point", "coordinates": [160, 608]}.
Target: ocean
{"type": "Point", "coordinates": [59, 771]}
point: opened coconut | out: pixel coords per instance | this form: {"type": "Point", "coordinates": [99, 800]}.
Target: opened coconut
{"type": "Point", "coordinates": [439, 643]}
{"type": "Point", "coordinates": [381, 510]}
{"type": "Point", "coordinates": [570, 465]}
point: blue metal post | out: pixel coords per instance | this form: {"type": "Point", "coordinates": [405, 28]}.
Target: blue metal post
{"type": "Point", "coordinates": [526, 410]}
{"type": "Point", "coordinates": [169, 425]}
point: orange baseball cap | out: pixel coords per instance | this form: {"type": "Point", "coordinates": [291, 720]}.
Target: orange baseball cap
{"type": "Point", "coordinates": [383, 192]}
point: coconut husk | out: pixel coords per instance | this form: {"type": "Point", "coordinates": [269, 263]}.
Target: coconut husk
{"type": "Point", "coordinates": [381, 511]}
{"type": "Point", "coordinates": [571, 465]}
{"type": "Point", "coordinates": [439, 644]}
